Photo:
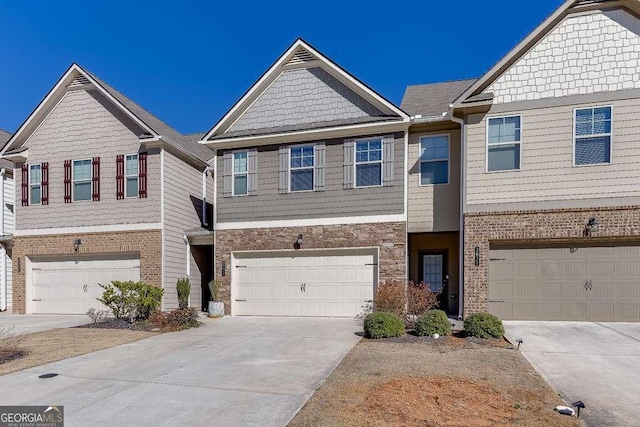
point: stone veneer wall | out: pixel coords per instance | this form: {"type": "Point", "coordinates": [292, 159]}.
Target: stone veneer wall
{"type": "Point", "coordinates": [146, 243]}
{"type": "Point", "coordinates": [531, 227]}
{"type": "Point", "coordinates": [391, 239]}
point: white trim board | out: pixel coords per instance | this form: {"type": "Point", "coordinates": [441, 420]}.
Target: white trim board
{"type": "Point", "coordinates": [312, 222]}
{"type": "Point", "coordinates": [90, 229]}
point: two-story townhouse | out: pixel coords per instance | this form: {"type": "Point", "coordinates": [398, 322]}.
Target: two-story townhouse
{"type": "Point", "coordinates": [6, 226]}
{"type": "Point", "coordinates": [106, 191]}
{"type": "Point", "coordinates": [551, 180]}
{"type": "Point", "coordinates": [310, 210]}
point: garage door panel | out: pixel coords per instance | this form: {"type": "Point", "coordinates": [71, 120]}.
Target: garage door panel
{"type": "Point", "coordinates": [547, 290]}
{"type": "Point", "coordinates": [627, 312]}
{"type": "Point", "coordinates": [573, 311]}
{"type": "Point", "coordinates": [574, 269]}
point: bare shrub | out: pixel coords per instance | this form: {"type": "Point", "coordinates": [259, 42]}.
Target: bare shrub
{"type": "Point", "coordinates": [97, 316]}
{"type": "Point", "coordinates": [11, 345]}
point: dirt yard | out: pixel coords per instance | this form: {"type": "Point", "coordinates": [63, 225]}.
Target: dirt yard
{"type": "Point", "coordinates": [57, 344]}
{"type": "Point", "coordinates": [423, 382]}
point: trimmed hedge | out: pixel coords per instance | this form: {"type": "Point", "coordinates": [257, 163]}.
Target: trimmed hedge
{"type": "Point", "coordinates": [383, 325]}
{"type": "Point", "coordinates": [433, 322]}
{"type": "Point", "coordinates": [483, 325]}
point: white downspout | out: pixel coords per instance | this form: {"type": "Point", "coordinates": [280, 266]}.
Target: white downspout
{"type": "Point", "coordinates": [186, 241]}
{"type": "Point", "coordinates": [3, 252]}
{"type": "Point", "coordinates": [463, 150]}
{"type": "Point", "coordinates": [204, 194]}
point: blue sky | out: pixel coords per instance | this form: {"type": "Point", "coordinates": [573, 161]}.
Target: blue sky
{"type": "Point", "coordinates": [189, 61]}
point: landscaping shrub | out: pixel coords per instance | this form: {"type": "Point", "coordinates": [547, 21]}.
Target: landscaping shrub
{"type": "Point", "coordinates": [420, 299]}
{"type": "Point", "coordinates": [97, 316]}
{"type": "Point", "coordinates": [183, 292]}
{"type": "Point", "coordinates": [483, 325]}
{"type": "Point", "coordinates": [176, 320]}
{"type": "Point", "coordinates": [214, 287]}
{"type": "Point", "coordinates": [134, 300]}
{"type": "Point", "coordinates": [433, 322]}
{"type": "Point", "coordinates": [11, 345]}
{"type": "Point", "coordinates": [383, 325]}
{"type": "Point", "coordinates": [391, 297]}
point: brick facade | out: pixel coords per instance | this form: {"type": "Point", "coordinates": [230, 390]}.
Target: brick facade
{"type": "Point", "coordinates": [530, 227]}
{"type": "Point", "coordinates": [391, 239]}
{"type": "Point", "coordinates": [146, 243]}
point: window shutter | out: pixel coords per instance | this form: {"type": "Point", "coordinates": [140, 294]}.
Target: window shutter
{"type": "Point", "coordinates": [67, 181]}
{"type": "Point", "coordinates": [25, 185]}
{"type": "Point", "coordinates": [45, 183]}
{"type": "Point", "coordinates": [283, 170]}
{"type": "Point", "coordinates": [142, 175]}
{"type": "Point", "coordinates": [387, 161]}
{"type": "Point", "coordinates": [120, 176]}
{"type": "Point", "coordinates": [319, 166]}
{"type": "Point", "coordinates": [252, 172]}
{"type": "Point", "coordinates": [227, 174]}
{"type": "Point", "coordinates": [95, 179]}
{"type": "Point", "coordinates": [348, 164]}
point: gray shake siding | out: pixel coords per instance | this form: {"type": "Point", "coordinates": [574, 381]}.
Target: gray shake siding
{"type": "Point", "coordinates": [334, 201]}
{"type": "Point", "coordinates": [301, 96]}
{"type": "Point", "coordinates": [82, 126]}
{"type": "Point", "coordinates": [182, 184]}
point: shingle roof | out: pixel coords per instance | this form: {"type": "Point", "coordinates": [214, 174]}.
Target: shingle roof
{"type": "Point", "coordinates": [432, 99]}
{"type": "Point", "coordinates": [161, 128]}
{"type": "Point", "coordinates": [4, 137]}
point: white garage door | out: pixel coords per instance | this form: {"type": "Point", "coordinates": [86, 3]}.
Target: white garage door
{"type": "Point", "coordinates": [331, 284]}
{"type": "Point", "coordinates": [70, 285]}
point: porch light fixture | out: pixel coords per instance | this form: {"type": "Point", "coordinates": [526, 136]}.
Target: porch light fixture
{"type": "Point", "coordinates": [76, 245]}
{"type": "Point", "coordinates": [591, 227]}
{"type": "Point", "coordinates": [298, 242]}
{"type": "Point", "coordinates": [476, 256]}
{"type": "Point", "coordinates": [223, 268]}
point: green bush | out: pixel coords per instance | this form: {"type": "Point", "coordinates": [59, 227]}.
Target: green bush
{"type": "Point", "coordinates": [214, 287]}
{"type": "Point", "coordinates": [383, 325]}
{"type": "Point", "coordinates": [131, 299]}
{"type": "Point", "coordinates": [483, 325]}
{"type": "Point", "coordinates": [183, 292]}
{"type": "Point", "coordinates": [433, 322]}
{"type": "Point", "coordinates": [176, 320]}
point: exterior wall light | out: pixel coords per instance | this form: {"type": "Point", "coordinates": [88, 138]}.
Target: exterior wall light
{"type": "Point", "coordinates": [298, 242]}
{"type": "Point", "coordinates": [591, 227]}
{"type": "Point", "coordinates": [76, 245]}
{"type": "Point", "coordinates": [476, 256]}
{"type": "Point", "coordinates": [223, 268]}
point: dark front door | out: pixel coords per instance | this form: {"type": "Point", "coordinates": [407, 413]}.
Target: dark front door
{"type": "Point", "coordinates": [433, 266]}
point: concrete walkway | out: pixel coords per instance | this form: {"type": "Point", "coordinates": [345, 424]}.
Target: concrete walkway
{"type": "Point", "coordinates": [593, 362]}
{"type": "Point", "coordinates": [30, 323]}
{"type": "Point", "coordinates": [232, 371]}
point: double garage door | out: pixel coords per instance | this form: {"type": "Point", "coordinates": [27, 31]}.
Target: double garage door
{"type": "Point", "coordinates": [568, 282]}
{"type": "Point", "coordinates": [319, 284]}
{"type": "Point", "coordinates": [69, 285]}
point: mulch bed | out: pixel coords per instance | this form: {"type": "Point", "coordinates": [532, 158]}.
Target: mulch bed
{"type": "Point", "coordinates": [121, 324]}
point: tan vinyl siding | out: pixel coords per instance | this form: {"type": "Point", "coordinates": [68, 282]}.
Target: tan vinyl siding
{"type": "Point", "coordinates": [85, 125]}
{"type": "Point", "coordinates": [434, 207]}
{"type": "Point", "coordinates": [335, 201]}
{"type": "Point", "coordinates": [182, 184]}
{"type": "Point", "coordinates": [547, 173]}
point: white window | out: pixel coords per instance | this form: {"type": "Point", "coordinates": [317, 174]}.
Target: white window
{"type": "Point", "coordinates": [503, 143]}
{"type": "Point", "coordinates": [301, 162]}
{"type": "Point", "coordinates": [240, 173]}
{"type": "Point", "coordinates": [369, 163]}
{"type": "Point", "coordinates": [81, 180]}
{"type": "Point", "coordinates": [592, 131]}
{"type": "Point", "coordinates": [434, 159]}
{"type": "Point", "coordinates": [131, 172]}
{"type": "Point", "coordinates": [35, 184]}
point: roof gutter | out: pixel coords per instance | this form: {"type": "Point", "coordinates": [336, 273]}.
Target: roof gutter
{"type": "Point", "coordinates": [162, 141]}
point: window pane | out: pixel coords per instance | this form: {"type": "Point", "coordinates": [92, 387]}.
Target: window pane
{"type": "Point", "coordinates": [132, 187]}
{"type": "Point", "coordinates": [240, 185]}
{"type": "Point", "coordinates": [375, 145]}
{"type": "Point", "coordinates": [35, 195]}
{"type": "Point", "coordinates": [240, 162]}
{"type": "Point", "coordinates": [505, 129]}
{"type": "Point", "coordinates": [436, 147]}
{"type": "Point", "coordinates": [600, 127]}
{"type": "Point", "coordinates": [81, 170]}
{"type": "Point", "coordinates": [583, 128]}
{"type": "Point", "coordinates": [375, 155]}
{"type": "Point", "coordinates": [132, 165]}
{"type": "Point", "coordinates": [296, 162]}
{"type": "Point", "coordinates": [434, 173]}
{"type": "Point", "coordinates": [602, 113]}
{"type": "Point", "coordinates": [504, 157]}
{"type": "Point", "coordinates": [82, 191]}
{"type": "Point", "coordinates": [35, 174]}
{"type": "Point", "coordinates": [302, 180]}
{"type": "Point", "coordinates": [362, 146]}
{"type": "Point", "coordinates": [590, 151]}
{"type": "Point", "coordinates": [307, 151]}
{"type": "Point", "coordinates": [362, 156]}
{"type": "Point", "coordinates": [584, 115]}
{"type": "Point", "coordinates": [368, 175]}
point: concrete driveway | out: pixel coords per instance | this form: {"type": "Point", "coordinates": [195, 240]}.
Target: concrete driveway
{"type": "Point", "coordinates": [232, 371]}
{"type": "Point", "coordinates": [593, 362]}
{"type": "Point", "coordinates": [30, 323]}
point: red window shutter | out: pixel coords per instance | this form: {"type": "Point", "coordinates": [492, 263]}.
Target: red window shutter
{"type": "Point", "coordinates": [120, 176]}
{"type": "Point", "coordinates": [25, 185]}
{"type": "Point", "coordinates": [142, 175]}
{"type": "Point", "coordinates": [96, 179]}
{"type": "Point", "coordinates": [45, 183]}
{"type": "Point", "coordinates": [67, 181]}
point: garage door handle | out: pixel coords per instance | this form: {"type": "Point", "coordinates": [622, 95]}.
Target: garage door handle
{"type": "Point", "coordinates": [241, 300]}
{"type": "Point", "coordinates": [36, 300]}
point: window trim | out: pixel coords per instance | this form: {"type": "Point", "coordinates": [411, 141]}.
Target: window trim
{"type": "Point", "coordinates": [610, 135]}
{"type": "Point", "coordinates": [448, 135]}
{"type": "Point", "coordinates": [73, 180]}
{"type": "Point", "coordinates": [234, 173]}
{"type": "Point", "coordinates": [313, 168]}
{"type": "Point", "coordinates": [137, 176]}
{"type": "Point", "coordinates": [33, 185]}
{"type": "Point", "coordinates": [356, 163]}
{"type": "Point", "coordinates": [486, 143]}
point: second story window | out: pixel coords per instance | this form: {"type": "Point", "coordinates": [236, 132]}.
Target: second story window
{"type": "Point", "coordinates": [503, 143]}
{"type": "Point", "coordinates": [35, 184]}
{"type": "Point", "coordinates": [369, 163]}
{"type": "Point", "coordinates": [434, 160]}
{"type": "Point", "coordinates": [82, 180]}
{"type": "Point", "coordinates": [240, 173]}
{"type": "Point", "coordinates": [592, 132]}
{"type": "Point", "coordinates": [131, 171]}
{"type": "Point", "coordinates": [302, 162]}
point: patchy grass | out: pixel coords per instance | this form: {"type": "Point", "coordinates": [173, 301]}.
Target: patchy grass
{"type": "Point", "coordinates": [424, 382]}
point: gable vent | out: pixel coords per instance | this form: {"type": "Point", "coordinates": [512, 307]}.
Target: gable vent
{"type": "Point", "coordinates": [80, 80]}
{"type": "Point", "coordinates": [301, 56]}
